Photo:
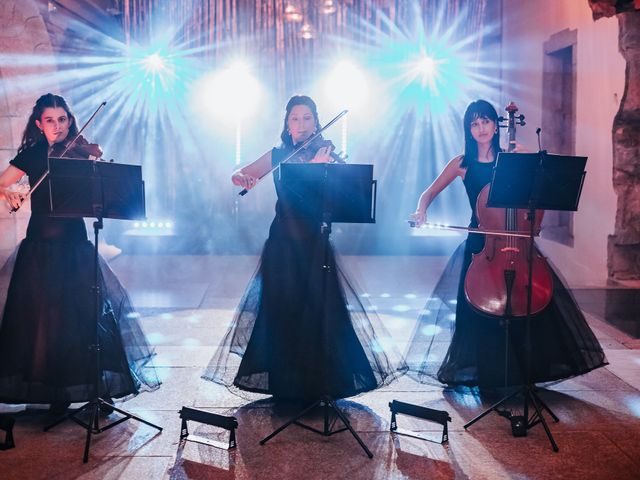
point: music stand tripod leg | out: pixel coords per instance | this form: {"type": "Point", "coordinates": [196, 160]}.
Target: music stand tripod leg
{"type": "Point", "coordinates": [347, 424]}
{"type": "Point", "coordinates": [94, 404]}
{"type": "Point", "coordinates": [291, 421]}
{"type": "Point", "coordinates": [93, 425]}
{"type": "Point", "coordinates": [490, 409]}
{"type": "Point", "coordinates": [543, 405]}
{"type": "Point", "coordinates": [541, 419]}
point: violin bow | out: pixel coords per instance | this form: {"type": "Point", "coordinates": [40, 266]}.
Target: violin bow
{"type": "Point", "coordinates": [439, 226]}
{"type": "Point", "coordinates": [48, 170]}
{"type": "Point", "coordinates": [307, 142]}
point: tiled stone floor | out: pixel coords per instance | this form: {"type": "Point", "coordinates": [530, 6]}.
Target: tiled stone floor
{"type": "Point", "coordinates": [187, 303]}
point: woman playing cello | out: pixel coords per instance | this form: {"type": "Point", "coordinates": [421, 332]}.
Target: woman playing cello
{"type": "Point", "coordinates": [458, 344]}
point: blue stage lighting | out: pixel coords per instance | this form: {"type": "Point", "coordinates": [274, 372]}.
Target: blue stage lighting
{"type": "Point", "coordinates": [154, 63]}
{"type": "Point", "coordinates": [427, 68]}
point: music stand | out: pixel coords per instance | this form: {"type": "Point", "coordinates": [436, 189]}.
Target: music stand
{"type": "Point", "coordinates": [325, 194]}
{"type": "Point", "coordinates": [88, 188]}
{"type": "Point", "coordinates": [533, 181]}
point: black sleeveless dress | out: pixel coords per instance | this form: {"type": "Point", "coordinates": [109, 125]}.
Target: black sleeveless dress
{"type": "Point", "coordinates": [47, 320]}
{"type": "Point", "coordinates": [294, 340]}
{"type": "Point", "coordinates": [456, 345]}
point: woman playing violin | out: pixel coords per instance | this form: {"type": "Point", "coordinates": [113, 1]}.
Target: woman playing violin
{"type": "Point", "coordinates": [300, 124]}
{"type": "Point", "coordinates": [296, 342]}
{"type": "Point", "coordinates": [457, 344]}
{"type": "Point", "coordinates": [47, 316]}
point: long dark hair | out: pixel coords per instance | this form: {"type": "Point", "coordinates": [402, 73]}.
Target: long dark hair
{"type": "Point", "coordinates": [475, 110]}
{"type": "Point", "coordinates": [285, 136]}
{"type": "Point", "coordinates": [32, 134]}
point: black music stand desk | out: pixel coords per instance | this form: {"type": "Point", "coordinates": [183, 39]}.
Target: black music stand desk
{"type": "Point", "coordinates": [95, 189]}
{"type": "Point", "coordinates": [325, 193]}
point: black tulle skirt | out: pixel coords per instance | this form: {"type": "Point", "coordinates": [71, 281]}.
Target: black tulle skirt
{"type": "Point", "coordinates": [453, 344]}
{"type": "Point", "coordinates": [301, 331]}
{"type": "Point", "coordinates": [48, 322]}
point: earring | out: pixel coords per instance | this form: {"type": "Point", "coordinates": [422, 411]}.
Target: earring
{"type": "Point", "coordinates": [495, 131]}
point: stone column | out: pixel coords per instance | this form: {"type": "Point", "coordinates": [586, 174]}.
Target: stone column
{"type": "Point", "coordinates": [624, 244]}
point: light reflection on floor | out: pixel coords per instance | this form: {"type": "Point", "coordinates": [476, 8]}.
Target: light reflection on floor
{"type": "Point", "coordinates": [186, 305]}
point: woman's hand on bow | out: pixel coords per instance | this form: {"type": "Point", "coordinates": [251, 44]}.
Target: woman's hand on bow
{"type": "Point", "coordinates": [13, 198]}
{"type": "Point", "coordinates": [418, 218]}
{"type": "Point", "coordinates": [243, 180]}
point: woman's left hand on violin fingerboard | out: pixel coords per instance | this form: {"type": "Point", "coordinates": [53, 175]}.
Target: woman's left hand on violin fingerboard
{"type": "Point", "coordinates": [323, 155]}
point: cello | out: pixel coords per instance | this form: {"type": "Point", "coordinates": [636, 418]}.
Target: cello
{"type": "Point", "coordinates": [497, 281]}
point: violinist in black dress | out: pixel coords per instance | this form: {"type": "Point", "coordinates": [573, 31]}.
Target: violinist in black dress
{"type": "Point", "coordinates": [453, 342]}
{"type": "Point", "coordinates": [47, 316]}
{"type": "Point", "coordinates": [295, 341]}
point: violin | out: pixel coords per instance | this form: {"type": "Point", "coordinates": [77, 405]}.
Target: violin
{"type": "Point", "coordinates": [74, 147]}
{"type": "Point", "coordinates": [81, 148]}
{"type": "Point", "coordinates": [497, 281]}
{"type": "Point", "coordinates": [309, 152]}
{"type": "Point", "coordinates": [308, 156]}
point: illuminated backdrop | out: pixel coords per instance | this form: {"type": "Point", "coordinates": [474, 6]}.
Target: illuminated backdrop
{"type": "Point", "coordinates": [194, 88]}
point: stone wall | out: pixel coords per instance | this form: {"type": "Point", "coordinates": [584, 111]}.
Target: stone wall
{"type": "Point", "coordinates": [22, 35]}
{"type": "Point", "coordinates": [624, 244]}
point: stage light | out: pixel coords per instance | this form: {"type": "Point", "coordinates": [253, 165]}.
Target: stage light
{"type": "Point", "coordinates": [426, 67]}
{"type": "Point", "coordinates": [346, 86]}
{"type": "Point", "coordinates": [227, 423]}
{"type": "Point", "coordinates": [233, 92]}
{"type": "Point", "coordinates": [439, 416]}
{"type": "Point", "coordinates": [154, 63]}
{"type": "Point", "coordinates": [151, 228]}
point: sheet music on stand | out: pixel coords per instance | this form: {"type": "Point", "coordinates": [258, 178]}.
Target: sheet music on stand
{"type": "Point", "coordinates": [76, 187]}
{"type": "Point", "coordinates": [557, 185]}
